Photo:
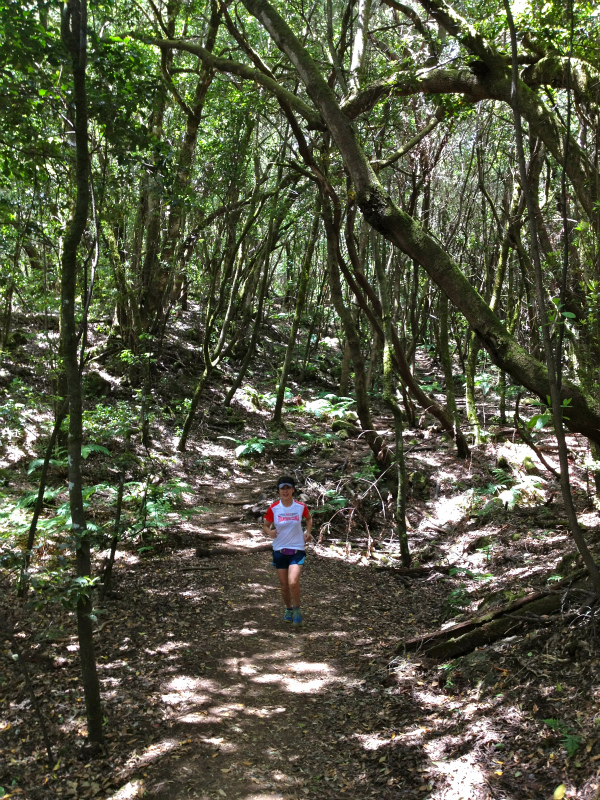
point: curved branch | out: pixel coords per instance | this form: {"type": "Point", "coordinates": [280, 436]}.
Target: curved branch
{"type": "Point", "coordinates": [401, 230]}
{"type": "Point", "coordinates": [553, 71]}
{"type": "Point", "coordinates": [241, 70]}
{"type": "Point", "coordinates": [491, 85]}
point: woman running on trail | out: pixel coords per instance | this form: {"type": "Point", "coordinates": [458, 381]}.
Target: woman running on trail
{"type": "Point", "coordinates": [283, 524]}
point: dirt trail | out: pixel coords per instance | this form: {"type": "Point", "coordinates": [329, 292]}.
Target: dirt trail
{"type": "Point", "coordinates": [258, 709]}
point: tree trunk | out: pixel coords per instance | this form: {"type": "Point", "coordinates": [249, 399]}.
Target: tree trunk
{"type": "Point", "coordinates": [362, 289]}
{"type": "Point", "coordinates": [390, 398]}
{"type": "Point", "coordinates": [303, 280]}
{"type": "Point", "coordinates": [270, 242]}
{"type": "Point", "coordinates": [74, 28]}
{"type": "Point", "coordinates": [553, 378]}
{"type": "Point", "coordinates": [447, 367]}
{"type": "Point", "coordinates": [400, 229]}
{"type": "Point", "coordinates": [345, 374]}
{"type": "Point", "coordinates": [332, 231]}
{"type": "Point", "coordinates": [471, 371]}
{"type": "Point", "coordinates": [457, 640]}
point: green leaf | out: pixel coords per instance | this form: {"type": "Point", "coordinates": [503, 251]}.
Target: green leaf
{"type": "Point", "coordinates": [93, 448]}
{"type": "Point", "coordinates": [571, 742]}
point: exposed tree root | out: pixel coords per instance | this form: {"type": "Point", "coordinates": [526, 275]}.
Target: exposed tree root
{"type": "Point", "coordinates": [467, 636]}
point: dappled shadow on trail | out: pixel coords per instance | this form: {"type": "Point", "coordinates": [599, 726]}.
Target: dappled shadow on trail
{"type": "Point", "coordinates": [255, 709]}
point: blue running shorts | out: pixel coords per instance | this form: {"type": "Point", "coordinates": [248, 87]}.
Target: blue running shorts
{"type": "Point", "coordinates": [283, 561]}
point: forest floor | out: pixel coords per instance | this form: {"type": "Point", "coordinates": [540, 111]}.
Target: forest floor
{"type": "Point", "coordinates": [207, 692]}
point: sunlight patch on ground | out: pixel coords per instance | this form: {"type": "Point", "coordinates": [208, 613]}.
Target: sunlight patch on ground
{"type": "Point", "coordinates": [128, 558]}
{"type": "Point", "coordinates": [291, 683]}
{"type": "Point", "coordinates": [13, 452]}
{"type": "Point", "coordinates": [449, 510]}
{"type": "Point", "coordinates": [430, 698]}
{"type": "Point", "coordinates": [169, 647]}
{"type": "Point", "coordinates": [306, 666]}
{"type": "Point", "coordinates": [464, 777]}
{"type": "Point", "coordinates": [211, 450]}
{"type": "Point", "coordinates": [260, 588]}
{"type": "Point", "coordinates": [129, 791]}
{"type": "Point", "coordinates": [195, 717]}
{"type": "Point", "coordinates": [265, 712]}
{"type": "Point", "coordinates": [219, 742]}
{"type": "Point", "coordinates": [371, 741]}
{"type": "Point", "coordinates": [153, 752]}
{"type": "Point", "coordinates": [186, 690]}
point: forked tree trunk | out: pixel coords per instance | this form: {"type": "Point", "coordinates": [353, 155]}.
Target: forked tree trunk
{"type": "Point", "coordinates": [390, 397]}
{"type": "Point", "coordinates": [447, 366]}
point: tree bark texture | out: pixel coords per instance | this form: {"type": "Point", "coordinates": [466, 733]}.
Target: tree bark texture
{"type": "Point", "coordinates": [332, 232]}
{"type": "Point", "coordinates": [74, 24]}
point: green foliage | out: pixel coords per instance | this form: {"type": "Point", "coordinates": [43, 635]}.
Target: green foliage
{"type": "Point", "coordinates": [257, 445]}
{"type": "Point", "coordinates": [484, 381]}
{"type": "Point", "coordinates": [539, 421]}
{"type": "Point", "coordinates": [333, 502]}
{"type": "Point", "coordinates": [104, 422]}
{"type": "Point", "coordinates": [150, 507]}
{"type": "Point", "coordinates": [457, 600]}
{"type": "Point", "coordinates": [253, 446]}
{"type": "Point", "coordinates": [502, 480]}
{"type": "Point", "coordinates": [570, 741]}
{"type": "Point", "coordinates": [329, 406]}
{"type": "Point", "coordinates": [476, 576]}
{"type": "Point", "coordinates": [506, 487]}
{"type": "Point", "coordinates": [367, 472]}
{"type": "Point", "coordinates": [62, 457]}
{"type": "Point", "coordinates": [51, 586]}
{"type": "Point", "coordinates": [430, 385]}
{"type": "Point", "coordinates": [460, 598]}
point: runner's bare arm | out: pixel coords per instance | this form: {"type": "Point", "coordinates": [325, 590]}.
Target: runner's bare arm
{"type": "Point", "coordinates": [309, 524]}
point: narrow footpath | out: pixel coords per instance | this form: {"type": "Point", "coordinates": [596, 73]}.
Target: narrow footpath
{"type": "Point", "coordinates": [246, 706]}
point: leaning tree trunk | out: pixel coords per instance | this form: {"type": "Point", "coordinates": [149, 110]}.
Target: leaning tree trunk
{"type": "Point", "coordinates": [399, 228]}
{"type": "Point", "coordinates": [554, 375]}
{"type": "Point", "coordinates": [74, 25]}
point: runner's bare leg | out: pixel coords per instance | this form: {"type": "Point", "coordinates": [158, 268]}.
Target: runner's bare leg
{"type": "Point", "coordinates": [289, 580]}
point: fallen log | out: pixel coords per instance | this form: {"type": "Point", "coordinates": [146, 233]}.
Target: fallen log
{"type": "Point", "coordinates": [457, 640]}
{"type": "Point", "coordinates": [234, 549]}
{"type": "Point", "coordinates": [416, 572]}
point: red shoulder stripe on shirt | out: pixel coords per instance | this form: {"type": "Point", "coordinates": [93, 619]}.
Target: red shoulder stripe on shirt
{"type": "Point", "coordinates": [269, 517]}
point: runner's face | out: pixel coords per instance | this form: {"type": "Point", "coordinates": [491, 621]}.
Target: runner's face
{"type": "Point", "coordinates": [286, 493]}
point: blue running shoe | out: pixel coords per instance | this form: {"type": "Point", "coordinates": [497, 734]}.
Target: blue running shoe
{"type": "Point", "coordinates": [297, 616]}
{"type": "Point", "coordinates": [289, 615]}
